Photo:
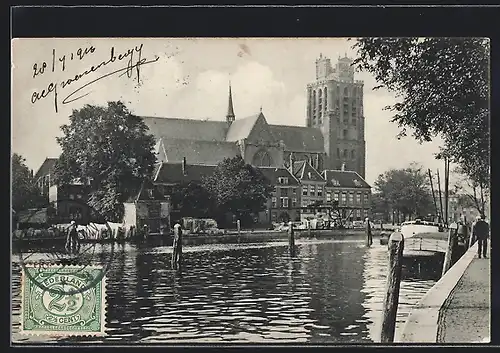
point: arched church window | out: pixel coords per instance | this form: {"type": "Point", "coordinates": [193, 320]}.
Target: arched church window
{"type": "Point", "coordinates": [326, 98]}
{"type": "Point", "coordinates": [262, 159]}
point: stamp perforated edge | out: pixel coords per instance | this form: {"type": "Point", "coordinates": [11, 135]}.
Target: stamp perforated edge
{"type": "Point", "coordinates": [62, 334]}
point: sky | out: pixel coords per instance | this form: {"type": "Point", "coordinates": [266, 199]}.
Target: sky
{"type": "Point", "coordinates": [189, 78]}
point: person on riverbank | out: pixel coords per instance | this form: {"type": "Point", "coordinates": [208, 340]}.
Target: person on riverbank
{"type": "Point", "coordinates": [480, 232]}
{"type": "Point", "coordinates": [368, 231]}
{"type": "Point", "coordinates": [72, 243]}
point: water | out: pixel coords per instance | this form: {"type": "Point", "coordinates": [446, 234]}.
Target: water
{"type": "Point", "coordinates": [331, 292]}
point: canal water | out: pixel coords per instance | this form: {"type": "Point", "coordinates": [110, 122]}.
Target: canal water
{"type": "Point", "coordinates": [330, 292]}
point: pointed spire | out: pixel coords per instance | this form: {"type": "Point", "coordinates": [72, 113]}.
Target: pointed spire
{"type": "Point", "coordinates": [261, 108]}
{"type": "Point", "coordinates": [230, 109]}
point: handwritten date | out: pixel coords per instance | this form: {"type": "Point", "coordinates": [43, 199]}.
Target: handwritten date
{"type": "Point", "coordinates": [78, 55]}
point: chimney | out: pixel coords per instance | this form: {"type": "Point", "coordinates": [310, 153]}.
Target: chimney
{"type": "Point", "coordinates": [184, 169]}
{"type": "Point", "coordinates": [343, 167]}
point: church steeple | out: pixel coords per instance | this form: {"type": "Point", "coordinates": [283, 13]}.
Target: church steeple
{"type": "Point", "coordinates": [230, 109]}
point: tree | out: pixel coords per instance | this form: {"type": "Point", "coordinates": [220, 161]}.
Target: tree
{"type": "Point", "coordinates": [192, 200]}
{"type": "Point", "coordinates": [406, 191]}
{"type": "Point", "coordinates": [238, 188]}
{"type": "Point", "coordinates": [25, 193]}
{"type": "Point", "coordinates": [471, 194]}
{"type": "Point", "coordinates": [380, 206]}
{"type": "Point", "coordinates": [442, 85]}
{"type": "Point", "coordinates": [109, 149]}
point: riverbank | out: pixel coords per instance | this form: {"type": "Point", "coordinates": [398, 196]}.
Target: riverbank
{"type": "Point", "coordinates": [457, 308]}
{"type": "Point", "coordinates": [231, 237]}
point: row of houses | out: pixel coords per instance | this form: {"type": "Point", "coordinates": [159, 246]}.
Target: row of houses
{"type": "Point", "coordinates": [297, 189]}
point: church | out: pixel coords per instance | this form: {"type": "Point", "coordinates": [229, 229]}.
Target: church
{"type": "Point", "coordinates": [332, 139]}
{"type": "Point", "coordinates": [317, 163]}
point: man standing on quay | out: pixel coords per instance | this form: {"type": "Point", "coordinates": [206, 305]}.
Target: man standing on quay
{"type": "Point", "coordinates": [481, 233]}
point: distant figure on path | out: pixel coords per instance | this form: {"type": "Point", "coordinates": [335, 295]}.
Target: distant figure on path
{"type": "Point", "coordinates": [72, 243]}
{"type": "Point", "coordinates": [481, 233]}
{"type": "Point", "coordinates": [368, 230]}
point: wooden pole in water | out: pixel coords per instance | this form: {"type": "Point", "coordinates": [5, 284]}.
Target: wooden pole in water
{"type": "Point", "coordinates": [309, 227]}
{"type": "Point", "coordinates": [452, 241]}
{"type": "Point", "coordinates": [391, 300]}
{"type": "Point", "coordinates": [238, 226]}
{"type": "Point", "coordinates": [291, 239]}
{"type": "Point", "coordinates": [177, 248]}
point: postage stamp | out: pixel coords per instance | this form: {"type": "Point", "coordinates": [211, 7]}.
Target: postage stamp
{"type": "Point", "coordinates": [58, 300]}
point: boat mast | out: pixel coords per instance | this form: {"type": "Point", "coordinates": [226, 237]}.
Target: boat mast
{"type": "Point", "coordinates": [440, 198]}
{"type": "Point", "coordinates": [433, 194]}
{"type": "Point", "coordinates": [446, 182]}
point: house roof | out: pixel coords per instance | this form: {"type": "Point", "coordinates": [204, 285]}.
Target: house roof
{"type": "Point", "coordinates": [33, 216]}
{"type": "Point", "coordinates": [273, 174]}
{"type": "Point", "coordinates": [197, 152]}
{"type": "Point", "coordinates": [241, 128]}
{"type": "Point", "coordinates": [303, 171]}
{"type": "Point", "coordinates": [47, 167]}
{"type": "Point", "coordinates": [190, 129]}
{"type": "Point", "coordinates": [298, 138]}
{"type": "Point", "coordinates": [171, 173]}
{"type": "Point", "coordinates": [346, 179]}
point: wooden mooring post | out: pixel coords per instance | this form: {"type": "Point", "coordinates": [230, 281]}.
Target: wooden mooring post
{"type": "Point", "coordinates": [391, 300]}
{"type": "Point", "coordinates": [177, 248]}
{"type": "Point", "coordinates": [238, 226]}
{"type": "Point", "coordinates": [291, 239]}
{"type": "Point", "coordinates": [452, 246]}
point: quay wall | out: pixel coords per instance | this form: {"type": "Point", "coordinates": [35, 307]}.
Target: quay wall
{"type": "Point", "coordinates": [422, 325]}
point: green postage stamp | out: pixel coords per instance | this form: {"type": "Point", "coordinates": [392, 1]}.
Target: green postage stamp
{"type": "Point", "coordinates": [63, 300]}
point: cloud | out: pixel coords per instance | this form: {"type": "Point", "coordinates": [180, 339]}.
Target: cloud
{"type": "Point", "coordinates": [383, 150]}
{"type": "Point", "coordinates": [253, 85]}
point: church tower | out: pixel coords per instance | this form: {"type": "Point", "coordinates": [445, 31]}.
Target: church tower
{"type": "Point", "coordinates": [335, 106]}
{"type": "Point", "coordinates": [230, 110]}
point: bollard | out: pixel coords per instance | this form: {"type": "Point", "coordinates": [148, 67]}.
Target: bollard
{"type": "Point", "coordinates": [177, 248]}
{"type": "Point", "coordinates": [291, 239]}
{"type": "Point", "coordinates": [368, 232]}
{"type": "Point", "coordinates": [308, 227]}
{"type": "Point", "coordinates": [452, 246]}
{"type": "Point", "coordinates": [391, 300]}
{"type": "Point", "coordinates": [238, 226]}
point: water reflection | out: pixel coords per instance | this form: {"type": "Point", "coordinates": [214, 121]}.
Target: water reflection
{"type": "Point", "coordinates": [330, 291]}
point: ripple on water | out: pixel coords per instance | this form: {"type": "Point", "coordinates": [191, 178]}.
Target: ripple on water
{"type": "Point", "coordinates": [332, 291]}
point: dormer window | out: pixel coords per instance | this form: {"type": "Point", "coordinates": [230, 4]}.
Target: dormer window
{"type": "Point", "coordinates": [283, 180]}
{"type": "Point", "coordinates": [335, 182]}
{"type": "Point", "coordinates": [309, 174]}
{"type": "Point", "coordinates": [357, 182]}
{"type": "Point", "coordinates": [150, 193]}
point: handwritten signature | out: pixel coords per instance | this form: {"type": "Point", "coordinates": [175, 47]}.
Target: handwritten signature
{"type": "Point", "coordinates": [128, 70]}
